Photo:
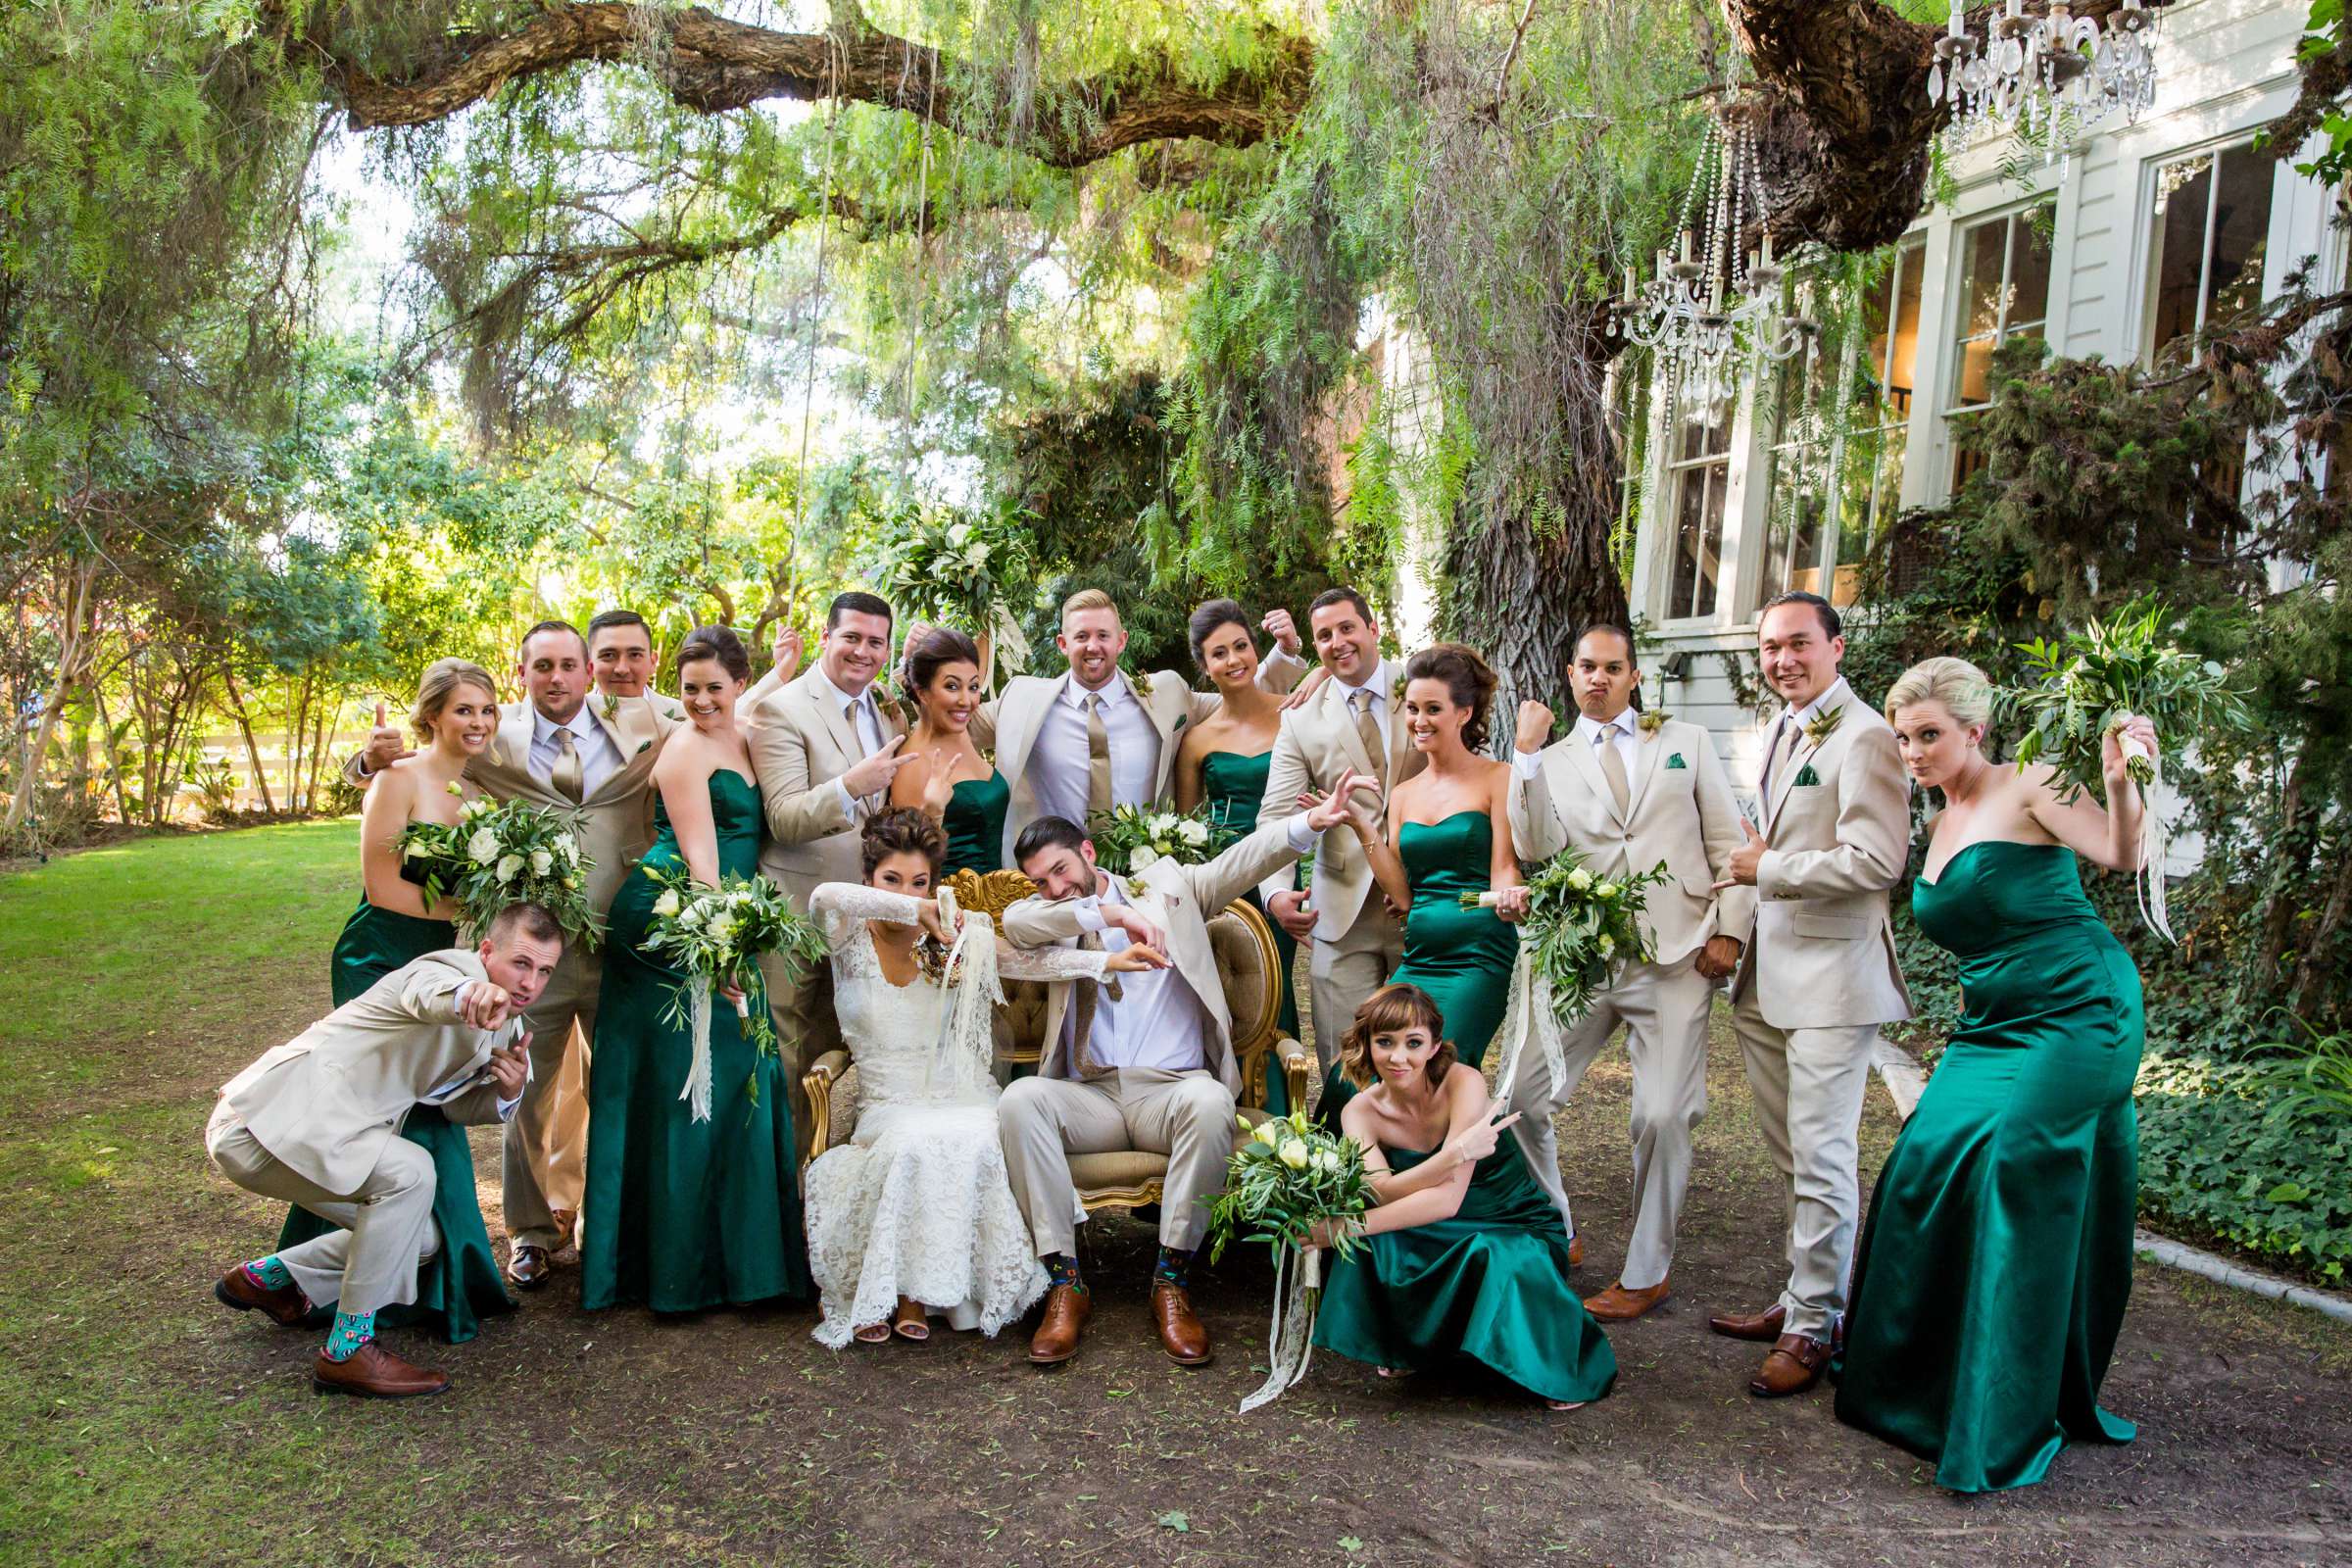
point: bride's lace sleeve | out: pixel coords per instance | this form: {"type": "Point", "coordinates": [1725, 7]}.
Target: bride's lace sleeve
{"type": "Point", "coordinates": [1049, 963]}
{"type": "Point", "coordinates": [836, 907]}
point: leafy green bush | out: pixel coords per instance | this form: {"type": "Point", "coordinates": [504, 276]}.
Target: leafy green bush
{"type": "Point", "coordinates": [2223, 1153]}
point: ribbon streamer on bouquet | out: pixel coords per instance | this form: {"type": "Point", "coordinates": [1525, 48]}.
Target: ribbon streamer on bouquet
{"type": "Point", "coordinates": [697, 1092]}
{"type": "Point", "coordinates": [2149, 876]}
{"type": "Point", "coordinates": [1297, 1284]}
{"type": "Point", "coordinates": [969, 994]}
{"type": "Point", "coordinates": [1528, 1013]}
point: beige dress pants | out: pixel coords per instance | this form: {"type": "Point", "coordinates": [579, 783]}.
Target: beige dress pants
{"type": "Point", "coordinates": [543, 1157]}
{"type": "Point", "coordinates": [387, 1224]}
{"type": "Point", "coordinates": [1188, 1117]}
{"type": "Point", "coordinates": [1346, 971]}
{"type": "Point", "coordinates": [1808, 1085]}
{"type": "Point", "coordinates": [1664, 1010]}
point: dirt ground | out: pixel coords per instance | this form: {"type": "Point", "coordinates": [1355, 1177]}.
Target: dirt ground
{"type": "Point", "coordinates": [617, 1438]}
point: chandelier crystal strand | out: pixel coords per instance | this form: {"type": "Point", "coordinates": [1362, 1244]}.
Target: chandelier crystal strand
{"type": "Point", "coordinates": [2052, 76]}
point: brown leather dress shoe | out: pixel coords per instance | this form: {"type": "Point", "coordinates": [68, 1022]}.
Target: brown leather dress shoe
{"type": "Point", "coordinates": [286, 1306]}
{"type": "Point", "coordinates": [528, 1266]}
{"type": "Point", "coordinates": [1794, 1365]}
{"type": "Point", "coordinates": [1617, 1304]}
{"type": "Point", "coordinates": [1068, 1307]}
{"type": "Point", "coordinates": [1763, 1327]}
{"type": "Point", "coordinates": [1576, 1251]}
{"type": "Point", "coordinates": [1181, 1334]}
{"type": "Point", "coordinates": [374, 1373]}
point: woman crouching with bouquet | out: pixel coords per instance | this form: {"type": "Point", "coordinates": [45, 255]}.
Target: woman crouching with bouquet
{"type": "Point", "coordinates": [1464, 1256]}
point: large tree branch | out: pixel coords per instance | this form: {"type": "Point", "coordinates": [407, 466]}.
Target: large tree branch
{"type": "Point", "coordinates": [713, 65]}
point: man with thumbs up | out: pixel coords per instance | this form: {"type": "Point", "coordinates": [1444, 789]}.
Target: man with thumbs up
{"type": "Point", "coordinates": [1819, 975]}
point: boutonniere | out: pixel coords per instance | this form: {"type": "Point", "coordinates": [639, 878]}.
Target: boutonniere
{"type": "Point", "coordinates": [1823, 724]}
{"type": "Point", "coordinates": [1653, 719]}
{"type": "Point", "coordinates": [611, 705]}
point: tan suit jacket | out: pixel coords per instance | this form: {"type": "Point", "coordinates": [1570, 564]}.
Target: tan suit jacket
{"type": "Point", "coordinates": [1839, 824]}
{"type": "Point", "coordinates": [1315, 746]}
{"type": "Point", "coordinates": [327, 1102]}
{"type": "Point", "coordinates": [618, 816]}
{"type": "Point", "coordinates": [1011, 722]}
{"type": "Point", "coordinates": [800, 744]}
{"type": "Point", "coordinates": [1185, 899]}
{"type": "Point", "coordinates": [1683, 817]}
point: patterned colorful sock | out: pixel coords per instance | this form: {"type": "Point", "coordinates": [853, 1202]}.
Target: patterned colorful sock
{"type": "Point", "coordinates": [1062, 1269]}
{"type": "Point", "coordinates": [1175, 1267]}
{"type": "Point", "coordinates": [269, 1273]}
{"type": "Point", "coordinates": [351, 1331]}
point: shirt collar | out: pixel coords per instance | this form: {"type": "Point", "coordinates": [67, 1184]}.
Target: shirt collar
{"type": "Point", "coordinates": [582, 724]}
{"type": "Point", "coordinates": [1114, 892]}
{"type": "Point", "coordinates": [1378, 684]}
{"type": "Point", "coordinates": [1812, 710]}
{"type": "Point", "coordinates": [1590, 728]}
{"type": "Point", "coordinates": [840, 699]}
{"type": "Point", "coordinates": [1113, 693]}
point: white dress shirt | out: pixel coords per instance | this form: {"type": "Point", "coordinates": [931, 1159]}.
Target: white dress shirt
{"type": "Point", "coordinates": [465, 1081]}
{"type": "Point", "coordinates": [598, 757]}
{"type": "Point", "coordinates": [1058, 761]}
{"type": "Point", "coordinates": [1157, 1022]}
{"type": "Point", "coordinates": [1623, 732]}
{"type": "Point", "coordinates": [866, 723]}
{"type": "Point", "coordinates": [1380, 684]}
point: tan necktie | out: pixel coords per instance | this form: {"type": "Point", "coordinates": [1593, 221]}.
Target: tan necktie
{"type": "Point", "coordinates": [1367, 730]}
{"type": "Point", "coordinates": [1612, 768]}
{"type": "Point", "coordinates": [568, 776]}
{"type": "Point", "coordinates": [1097, 758]}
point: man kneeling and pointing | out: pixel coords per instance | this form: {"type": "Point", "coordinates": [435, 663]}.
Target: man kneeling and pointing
{"type": "Point", "coordinates": [316, 1123]}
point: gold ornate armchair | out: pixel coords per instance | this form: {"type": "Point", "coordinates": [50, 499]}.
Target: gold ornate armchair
{"type": "Point", "coordinates": [1248, 963]}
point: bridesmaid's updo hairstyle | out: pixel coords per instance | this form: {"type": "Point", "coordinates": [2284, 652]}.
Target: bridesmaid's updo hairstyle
{"type": "Point", "coordinates": [721, 644]}
{"type": "Point", "coordinates": [1469, 682]}
{"type": "Point", "coordinates": [904, 831]}
{"type": "Point", "coordinates": [1211, 618]}
{"type": "Point", "coordinates": [1393, 1009]}
{"type": "Point", "coordinates": [442, 679]}
{"type": "Point", "coordinates": [1955, 683]}
{"type": "Point", "coordinates": [934, 652]}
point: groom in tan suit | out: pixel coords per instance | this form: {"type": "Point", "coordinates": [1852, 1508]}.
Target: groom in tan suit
{"type": "Point", "coordinates": [316, 1123]}
{"type": "Point", "coordinates": [827, 747]}
{"type": "Point", "coordinates": [569, 751]}
{"type": "Point", "coordinates": [1353, 723]}
{"type": "Point", "coordinates": [1820, 973]}
{"type": "Point", "coordinates": [1630, 795]}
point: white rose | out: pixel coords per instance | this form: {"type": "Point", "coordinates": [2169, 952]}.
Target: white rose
{"type": "Point", "coordinates": [483, 847]}
{"type": "Point", "coordinates": [1607, 890]}
{"type": "Point", "coordinates": [1326, 1160]}
{"type": "Point", "coordinates": [1294, 1153]}
{"type": "Point", "coordinates": [542, 863]}
{"type": "Point", "coordinates": [723, 927]}
{"type": "Point", "coordinates": [508, 866]}
{"type": "Point", "coordinates": [567, 847]}
{"type": "Point", "coordinates": [1608, 945]}
{"type": "Point", "coordinates": [414, 851]}
{"type": "Point", "coordinates": [957, 533]}
{"type": "Point", "coordinates": [1196, 833]}
{"type": "Point", "coordinates": [1145, 856]}
{"type": "Point", "coordinates": [475, 808]}
{"type": "Point", "coordinates": [691, 915]}
{"type": "Point", "coordinates": [1579, 879]}
{"type": "Point", "coordinates": [1267, 1133]}
{"type": "Point", "coordinates": [666, 904]}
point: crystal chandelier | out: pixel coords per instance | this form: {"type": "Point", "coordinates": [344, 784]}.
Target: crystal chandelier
{"type": "Point", "coordinates": [1710, 313]}
{"type": "Point", "coordinates": [2058, 73]}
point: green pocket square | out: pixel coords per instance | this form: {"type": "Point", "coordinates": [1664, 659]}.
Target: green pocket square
{"type": "Point", "coordinates": [642, 745]}
{"type": "Point", "coordinates": [1804, 776]}
{"type": "Point", "coordinates": [1676, 761]}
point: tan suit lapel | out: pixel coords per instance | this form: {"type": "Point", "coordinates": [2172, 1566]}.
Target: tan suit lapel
{"type": "Point", "coordinates": [1587, 768]}
{"type": "Point", "coordinates": [1023, 717]}
{"type": "Point", "coordinates": [1645, 767]}
{"type": "Point", "coordinates": [1803, 751]}
{"type": "Point", "coordinates": [835, 721]}
{"type": "Point", "coordinates": [1341, 714]}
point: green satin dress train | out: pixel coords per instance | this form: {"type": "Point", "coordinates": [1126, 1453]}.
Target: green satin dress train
{"type": "Point", "coordinates": [1233, 786]}
{"type": "Point", "coordinates": [459, 1285]}
{"type": "Point", "coordinates": [975, 825]}
{"type": "Point", "coordinates": [1990, 1278]}
{"type": "Point", "coordinates": [1490, 1283]}
{"type": "Point", "coordinates": [681, 1215]}
{"type": "Point", "coordinates": [1463, 958]}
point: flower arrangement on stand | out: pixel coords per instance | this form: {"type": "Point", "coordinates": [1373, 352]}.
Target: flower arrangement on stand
{"type": "Point", "coordinates": [1288, 1177]}
{"type": "Point", "coordinates": [716, 935]}
{"type": "Point", "coordinates": [958, 569]}
{"type": "Point", "coordinates": [502, 853]}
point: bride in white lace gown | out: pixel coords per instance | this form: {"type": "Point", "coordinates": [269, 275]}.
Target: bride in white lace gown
{"type": "Point", "coordinates": [914, 1212]}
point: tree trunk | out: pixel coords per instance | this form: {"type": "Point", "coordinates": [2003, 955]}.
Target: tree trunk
{"type": "Point", "coordinates": [2291, 861]}
{"type": "Point", "coordinates": [77, 639]}
{"type": "Point", "coordinates": [114, 769]}
{"type": "Point", "coordinates": [252, 753]}
{"type": "Point", "coordinates": [2317, 974]}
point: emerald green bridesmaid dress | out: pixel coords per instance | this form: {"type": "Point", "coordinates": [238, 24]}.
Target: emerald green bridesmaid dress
{"type": "Point", "coordinates": [975, 825]}
{"type": "Point", "coordinates": [1991, 1275]}
{"type": "Point", "coordinates": [680, 1215]}
{"type": "Point", "coordinates": [1233, 786]}
{"type": "Point", "coordinates": [1490, 1285]}
{"type": "Point", "coordinates": [1463, 958]}
{"type": "Point", "coordinates": [459, 1284]}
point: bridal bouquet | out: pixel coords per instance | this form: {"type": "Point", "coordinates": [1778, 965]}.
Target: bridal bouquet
{"type": "Point", "coordinates": [503, 853]}
{"type": "Point", "coordinates": [1580, 928]}
{"type": "Point", "coordinates": [1289, 1176]}
{"type": "Point", "coordinates": [2094, 680]}
{"type": "Point", "coordinates": [1129, 838]}
{"type": "Point", "coordinates": [715, 935]}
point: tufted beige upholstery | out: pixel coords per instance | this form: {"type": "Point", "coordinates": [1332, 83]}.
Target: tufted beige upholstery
{"type": "Point", "coordinates": [1245, 953]}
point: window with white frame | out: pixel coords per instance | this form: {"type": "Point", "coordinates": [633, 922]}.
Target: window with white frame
{"type": "Point", "coordinates": [1835, 466]}
{"type": "Point", "coordinates": [1698, 472]}
{"type": "Point", "coordinates": [2210, 231]}
{"type": "Point", "coordinates": [2004, 272]}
